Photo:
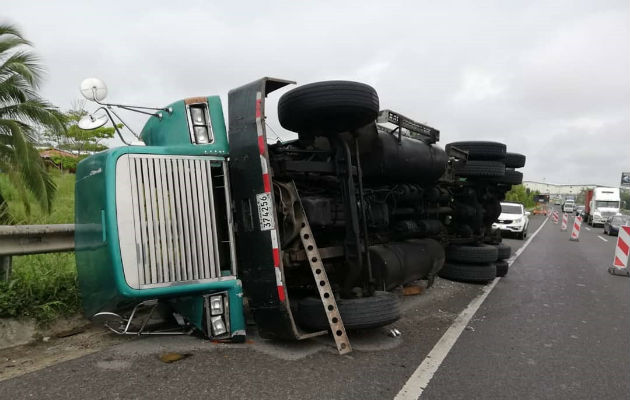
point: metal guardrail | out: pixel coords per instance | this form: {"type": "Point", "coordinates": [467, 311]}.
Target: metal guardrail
{"type": "Point", "coordinates": [18, 240]}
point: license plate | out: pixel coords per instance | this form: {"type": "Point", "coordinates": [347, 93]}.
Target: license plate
{"type": "Point", "coordinates": [265, 211]}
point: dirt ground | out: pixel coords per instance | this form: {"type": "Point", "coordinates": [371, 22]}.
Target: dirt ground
{"type": "Point", "coordinates": [76, 340]}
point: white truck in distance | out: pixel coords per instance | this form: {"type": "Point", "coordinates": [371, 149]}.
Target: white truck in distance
{"type": "Point", "coordinates": [601, 203]}
{"type": "Point", "coordinates": [568, 206]}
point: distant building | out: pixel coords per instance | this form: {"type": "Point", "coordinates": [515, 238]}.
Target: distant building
{"type": "Point", "coordinates": [49, 155]}
{"type": "Point", "coordinates": [556, 189]}
{"type": "Point", "coordinates": [46, 154]}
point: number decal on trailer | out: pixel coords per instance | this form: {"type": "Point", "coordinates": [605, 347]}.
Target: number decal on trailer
{"type": "Point", "coordinates": [265, 211]}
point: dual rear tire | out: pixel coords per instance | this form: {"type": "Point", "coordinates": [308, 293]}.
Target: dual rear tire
{"type": "Point", "coordinates": [478, 264]}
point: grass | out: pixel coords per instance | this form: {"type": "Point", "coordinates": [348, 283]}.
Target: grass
{"type": "Point", "coordinates": [62, 209]}
{"type": "Point", "coordinates": [42, 286]}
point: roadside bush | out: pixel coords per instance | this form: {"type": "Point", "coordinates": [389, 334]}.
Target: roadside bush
{"type": "Point", "coordinates": [519, 194]}
{"type": "Point", "coordinates": [42, 286]}
{"type": "Point", "coordinates": [66, 163]}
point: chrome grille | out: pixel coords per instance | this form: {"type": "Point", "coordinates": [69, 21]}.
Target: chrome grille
{"type": "Point", "coordinates": [167, 228]}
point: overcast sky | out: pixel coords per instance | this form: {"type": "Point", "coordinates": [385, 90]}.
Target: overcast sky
{"type": "Point", "coordinates": [551, 79]}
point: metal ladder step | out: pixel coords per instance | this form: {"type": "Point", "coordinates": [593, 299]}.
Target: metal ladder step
{"type": "Point", "coordinates": [321, 279]}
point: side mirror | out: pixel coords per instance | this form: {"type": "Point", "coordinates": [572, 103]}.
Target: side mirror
{"type": "Point", "coordinates": [89, 122]}
{"type": "Point", "coordinates": [93, 89]}
{"type": "Point", "coordinates": [528, 213]}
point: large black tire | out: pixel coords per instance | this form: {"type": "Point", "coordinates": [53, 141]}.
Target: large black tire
{"type": "Point", "coordinates": [514, 160]}
{"type": "Point", "coordinates": [511, 177]}
{"type": "Point", "coordinates": [366, 312]}
{"type": "Point", "coordinates": [328, 107]}
{"type": "Point", "coordinates": [468, 272]}
{"type": "Point", "coordinates": [472, 254]}
{"type": "Point", "coordinates": [504, 251]}
{"type": "Point", "coordinates": [478, 150]}
{"type": "Point", "coordinates": [502, 268]}
{"type": "Point", "coordinates": [481, 169]}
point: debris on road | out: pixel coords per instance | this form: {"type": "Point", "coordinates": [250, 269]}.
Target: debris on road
{"type": "Point", "coordinates": [173, 357]}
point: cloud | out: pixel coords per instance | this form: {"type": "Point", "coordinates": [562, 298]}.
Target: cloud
{"type": "Point", "coordinates": [478, 86]}
{"type": "Point", "coordinates": [549, 79]}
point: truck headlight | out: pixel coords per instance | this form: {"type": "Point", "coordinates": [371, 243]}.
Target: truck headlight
{"type": "Point", "coordinates": [517, 220]}
{"type": "Point", "coordinates": [201, 134]}
{"type": "Point", "coordinates": [216, 305]}
{"type": "Point", "coordinates": [197, 116]}
{"type": "Point", "coordinates": [218, 326]}
{"type": "Point", "coordinates": [199, 123]}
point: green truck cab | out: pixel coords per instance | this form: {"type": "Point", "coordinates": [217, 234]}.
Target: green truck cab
{"type": "Point", "coordinates": [154, 224]}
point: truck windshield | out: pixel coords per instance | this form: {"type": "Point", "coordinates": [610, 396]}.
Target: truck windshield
{"type": "Point", "coordinates": [511, 209]}
{"type": "Point", "coordinates": [607, 204]}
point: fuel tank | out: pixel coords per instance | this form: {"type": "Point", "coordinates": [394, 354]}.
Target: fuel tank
{"type": "Point", "coordinates": [397, 263]}
{"type": "Point", "coordinates": [385, 159]}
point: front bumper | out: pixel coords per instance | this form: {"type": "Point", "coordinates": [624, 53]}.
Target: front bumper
{"type": "Point", "coordinates": [516, 228]}
{"type": "Point", "coordinates": [596, 219]}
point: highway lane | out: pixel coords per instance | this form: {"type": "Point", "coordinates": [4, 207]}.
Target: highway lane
{"type": "Point", "coordinates": [557, 327]}
{"type": "Point", "coordinates": [377, 369]}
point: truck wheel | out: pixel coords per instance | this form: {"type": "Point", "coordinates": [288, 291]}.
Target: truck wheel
{"type": "Point", "coordinates": [502, 268]}
{"type": "Point", "coordinates": [479, 150]}
{"type": "Point", "coordinates": [366, 312]}
{"type": "Point", "coordinates": [472, 254]}
{"type": "Point", "coordinates": [484, 169]}
{"type": "Point", "coordinates": [504, 251]}
{"type": "Point", "coordinates": [468, 272]}
{"type": "Point", "coordinates": [328, 107]}
{"type": "Point", "coordinates": [514, 160]}
{"type": "Point", "coordinates": [511, 177]}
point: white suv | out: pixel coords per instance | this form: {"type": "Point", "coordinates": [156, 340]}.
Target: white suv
{"type": "Point", "coordinates": [514, 219]}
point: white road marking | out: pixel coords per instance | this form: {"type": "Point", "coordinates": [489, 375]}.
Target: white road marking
{"type": "Point", "coordinates": [419, 380]}
{"type": "Point", "coordinates": [605, 240]}
{"type": "Point", "coordinates": [587, 228]}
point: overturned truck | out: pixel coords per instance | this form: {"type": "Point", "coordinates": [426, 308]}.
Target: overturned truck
{"type": "Point", "coordinates": [315, 232]}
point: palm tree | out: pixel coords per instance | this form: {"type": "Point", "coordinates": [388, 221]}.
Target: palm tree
{"type": "Point", "coordinates": [22, 114]}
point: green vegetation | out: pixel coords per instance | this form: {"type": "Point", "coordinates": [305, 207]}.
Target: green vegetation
{"type": "Point", "coordinates": [22, 114]}
{"type": "Point", "coordinates": [519, 194]}
{"type": "Point", "coordinates": [42, 286]}
{"type": "Point", "coordinates": [66, 163]}
{"type": "Point", "coordinates": [61, 212]}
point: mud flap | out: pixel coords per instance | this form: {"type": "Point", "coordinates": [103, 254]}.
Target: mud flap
{"type": "Point", "coordinates": [257, 240]}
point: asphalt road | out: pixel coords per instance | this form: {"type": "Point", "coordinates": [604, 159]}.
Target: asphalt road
{"type": "Point", "coordinates": [555, 327]}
